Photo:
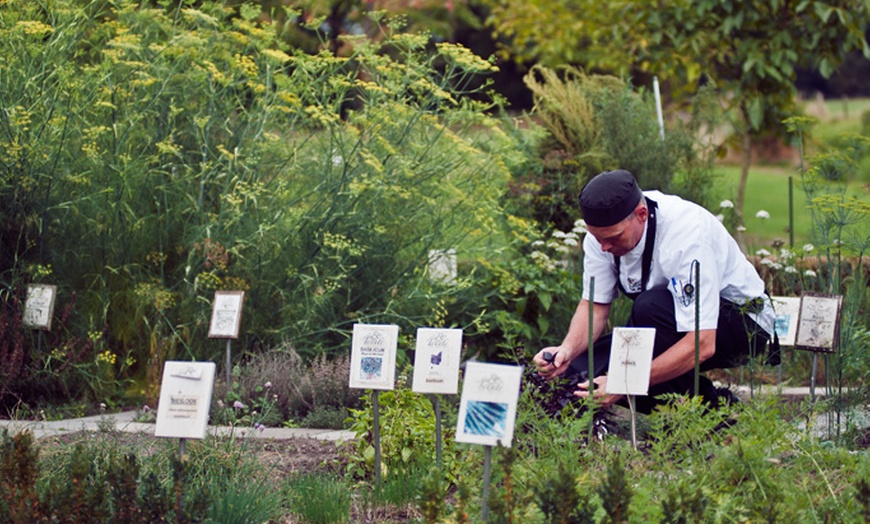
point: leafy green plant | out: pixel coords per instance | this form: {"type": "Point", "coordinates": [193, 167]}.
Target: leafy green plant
{"type": "Point", "coordinates": [615, 491]}
{"type": "Point", "coordinates": [245, 500]}
{"type": "Point", "coordinates": [561, 501]}
{"type": "Point", "coordinates": [319, 498]}
{"type": "Point", "coordinates": [684, 503]}
{"type": "Point", "coordinates": [430, 500]}
{"type": "Point", "coordinates": [407, 434]}
{"type": "Point", "coordinates": [19, 472]}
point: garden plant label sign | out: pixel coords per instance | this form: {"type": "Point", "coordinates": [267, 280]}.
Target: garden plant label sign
{"type": "Point", "coordinates": [185, 399]}
{"type": "Point", "coordinates": [631, 352]}
{"type": "Point", "coordinates": [226, 314]}
{"type": "Point", "coordinates": [39, 306]}
{"type": "Point", "coordinates": [488, 406]}
{"type": "Point", "coordinates": [436, 361]}
{"type": "Point", "coordinates": [787, 309]}
{"type": "Point", "coordinates": [373, 356]}
{"type": "Point", "coordinates": [819, 322]}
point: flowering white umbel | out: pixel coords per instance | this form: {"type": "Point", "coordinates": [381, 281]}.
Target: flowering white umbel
{"type": "Point", "coordinates": [727, 204]}
{"type": "Point", "coordinates": [763, 252]}
{"type": "Point", "coordinates": [809, 248]}
{"type": "Point", "coordinates": [762, 214]}
{"type": "Point", "coordinates": [809, 273]}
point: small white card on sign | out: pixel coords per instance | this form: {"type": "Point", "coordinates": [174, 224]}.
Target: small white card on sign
{"type": "Point", "coordinates": [488, 406]}
{"type": "Point", "coordinates": [39, 306]}
{"type": "Point", "coordinates": [373, 356]}
{"type": "Point", "coordinates": [631, 353]}
{"type": "Point", "coordinates": [226, 314]}
{"type": "Point", "coordinates": [436, 361]}
{"type": "Point", "coordinates": [442, 266]}
{"type": "Point", "coordinates": [787, 309]}
{"type": "Point", "coordinates": [185, 399]}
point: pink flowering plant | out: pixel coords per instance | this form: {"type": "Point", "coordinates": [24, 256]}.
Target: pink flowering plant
{"type": "Point", "coordinates": [257, 408]}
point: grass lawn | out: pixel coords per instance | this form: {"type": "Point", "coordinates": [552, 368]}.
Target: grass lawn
{"type": "Point", "coordinates": [767, 189]}
{"type": "Point", "coordinates": [836, 116]}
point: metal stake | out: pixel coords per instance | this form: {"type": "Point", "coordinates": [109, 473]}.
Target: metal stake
{"type": "Point", "coordinates": [591, 356]}
{"type": "Point", "coordinates": [377, 436]}
{"type": "Point", "coordinates": [487, 473]}
{"type": "Point", "coordinates": [229, 366]}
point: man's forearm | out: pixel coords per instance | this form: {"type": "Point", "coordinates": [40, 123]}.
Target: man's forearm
{"type": "Point", "coordinates": [680, 358]}
{"type": "Point", "coordinates": [577, 339]}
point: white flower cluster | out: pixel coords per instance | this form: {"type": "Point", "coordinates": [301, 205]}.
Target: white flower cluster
{"type": "Point", "coordinates": [786, 260]}
{"type": "Point", "coordinates": [560, 243]}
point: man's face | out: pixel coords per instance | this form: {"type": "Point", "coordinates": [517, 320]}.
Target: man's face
{"type": "Point", "coordinates": [622, 237]}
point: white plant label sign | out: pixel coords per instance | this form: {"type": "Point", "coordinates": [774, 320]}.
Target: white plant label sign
{"type": "Point", "coordinates": [787, 310]}
{"type": "Point", "coordinates": [436, 361]}
{"type": "Point", "coordinates": [631, 352]}
{"type": "Point", "coordinates": [488, 406]}
{"type": "Point", "coordinates": [226, 314]}
{"type": "Point", "coordinates": [373, 356]}
{"type": "Point", "coordinates": [819, 322]}
{"type": "Point", "coordinates": [39, 306]}
{"type": "Point", "coordinates": [185, 399]}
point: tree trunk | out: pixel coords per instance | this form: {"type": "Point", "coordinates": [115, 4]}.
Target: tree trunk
{"type": "Point", "coordinates": [741, 187]}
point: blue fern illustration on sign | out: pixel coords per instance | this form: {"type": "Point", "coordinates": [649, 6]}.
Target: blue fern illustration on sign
{"type": "Point", "coordinates": [488, 419]}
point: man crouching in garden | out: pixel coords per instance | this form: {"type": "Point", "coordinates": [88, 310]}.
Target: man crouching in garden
{"type": "Point", "coordinates": [650, 246]}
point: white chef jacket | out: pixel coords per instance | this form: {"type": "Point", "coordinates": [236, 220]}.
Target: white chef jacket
{"type": "Point", "coordinates": [688, 238]}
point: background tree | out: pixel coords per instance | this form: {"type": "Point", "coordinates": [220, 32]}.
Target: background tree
{"type": "Point", "coordinates": [749, 51]}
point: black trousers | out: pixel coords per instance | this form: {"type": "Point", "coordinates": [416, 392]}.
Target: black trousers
{"type": "Point", "coordinates": [737, 338]}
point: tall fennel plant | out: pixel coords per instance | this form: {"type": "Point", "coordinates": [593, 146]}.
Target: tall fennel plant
{"type": "Point", "coordinates": [841, 228]}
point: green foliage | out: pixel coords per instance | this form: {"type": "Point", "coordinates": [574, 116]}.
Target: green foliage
{"type": "Point", "coordinates": [431, 499]}
{"type": "Point", "coordinates": [165, 153]}
{"type": "Point", "coordinates": [599, 123]}
{"type": "Point", "coordinates": [506, 500]}
{"type": "Point", "coordinates": [561, 501]}
{"type": "Point", "coordinates": [841, 233]}
{"type": "Point", "coordinates": [615, 492]}
{"type": "Point", "coordinates": [407, 435]}
{"type": "Point", "coordinates": [243, 500]}
{"type": "Point", "coordinates": [684, 503]}
{"type": "Point", "coordinates": [319, 498]}
{"type": "Point", "coordinates": [19, 472]}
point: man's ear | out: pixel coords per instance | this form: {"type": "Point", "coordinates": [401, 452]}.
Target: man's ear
{"type": "Point", "coordinates": [642, 213]}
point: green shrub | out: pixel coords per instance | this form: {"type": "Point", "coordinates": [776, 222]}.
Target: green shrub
{"type": "Point", "coordinates": [601, 123]}
{"type": "Point", "coordinates": [168, 152]}
{"type": "Point", "coordinates": [319, 498]}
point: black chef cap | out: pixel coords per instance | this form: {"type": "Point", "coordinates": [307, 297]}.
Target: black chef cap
{"type": "Point", "coordinates": [609, 198]}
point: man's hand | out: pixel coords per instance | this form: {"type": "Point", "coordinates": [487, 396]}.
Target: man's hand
{"type": "Point", "coordinates": [599, 388]}
{"type": "Point", "coordinates": [551, 362]}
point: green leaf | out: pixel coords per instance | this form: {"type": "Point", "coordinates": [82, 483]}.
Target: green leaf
{"type": "Point", "coordinates": [756, 112]}
{"type": "Point", "coordinates": [369, 454]}
{"type": "Point", "coordinates": [546, 300]}
{"type": "Point", "coordinates": [250, 12]}
{"type": "Point", "coordinates": [826, 67]}
{"type": "Point", "coordinates": [406, 454]}
{"type": "Point", "coordinates": [824, 11]}
{"type": "Point", "coordinates": [543, 325]}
